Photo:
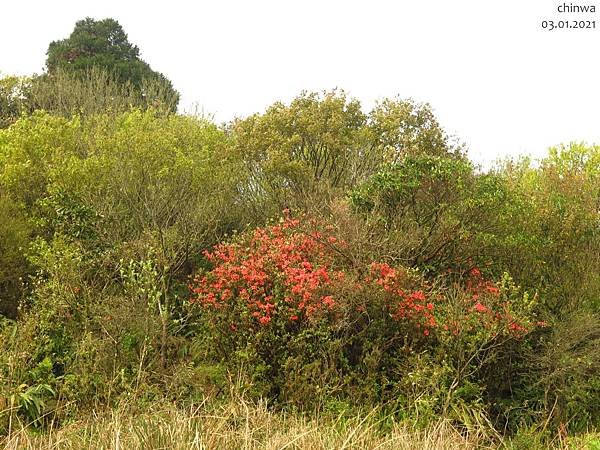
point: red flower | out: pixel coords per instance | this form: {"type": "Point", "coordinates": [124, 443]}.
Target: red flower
{"type": "Point", "coordinates": [418, 295]}
{"type": "Point", "coordinates": [475, 272]}
{"type": "Point", "coordinates": [277, 267]}
{"type": "Point", "coordinates": [492, 289]}
{"type": "Point", "coordinates": [328, 300]}
{"type": "Point", "coordinates": [480, 308]}
{"type": "Point", "coordinates": [264, 320]}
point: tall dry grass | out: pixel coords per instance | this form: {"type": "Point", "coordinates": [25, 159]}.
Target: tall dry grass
{"type": "Point", "coordinates": [237, 425]}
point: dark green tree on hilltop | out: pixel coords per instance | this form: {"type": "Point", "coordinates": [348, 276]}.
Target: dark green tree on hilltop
{"type": "Point", "coordinates": [103, 44]}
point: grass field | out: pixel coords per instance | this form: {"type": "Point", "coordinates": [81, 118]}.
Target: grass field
{"type": "Point", "coordinates": [241, 425]}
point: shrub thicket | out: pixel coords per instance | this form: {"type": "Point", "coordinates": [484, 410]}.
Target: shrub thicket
{"type": "Point", "coordinates": [323, 257]}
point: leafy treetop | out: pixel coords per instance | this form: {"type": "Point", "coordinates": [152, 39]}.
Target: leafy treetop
{"type": "Point", "coordinates": [103, 44]}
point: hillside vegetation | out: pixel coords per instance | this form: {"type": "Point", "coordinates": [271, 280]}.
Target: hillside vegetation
{"type": "Point", "coordinates": [314, 276]}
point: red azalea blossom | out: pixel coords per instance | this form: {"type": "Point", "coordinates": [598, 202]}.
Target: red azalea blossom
{"type": "Point", "coordinates": [282, 273]}
{"type": "Point", "coordinates": [475, 272]}
{"type": "Point", "coordinates": [280, 259]}
{"type": "Point", "coordinates": [480, 308]}
{"type": "Point", "coordinates": [404, 305]}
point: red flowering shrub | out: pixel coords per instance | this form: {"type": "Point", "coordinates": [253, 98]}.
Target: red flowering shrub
{"type": "Point", "coordinates": [286, 297]}
{"type": "Point", "coordinates": [404, 295]}
{"type": "Point", "coordinates": [278, 272]}
{"type": "Point", "coordinates": [286, 293]}
{"type": "Point", "coordinates": [499, 307]}
{"type": "Point", "coordinates": [288, 275]}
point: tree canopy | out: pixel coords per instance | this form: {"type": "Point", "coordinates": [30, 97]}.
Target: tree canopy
{"type": "Point", "coordinates": [104, 44]}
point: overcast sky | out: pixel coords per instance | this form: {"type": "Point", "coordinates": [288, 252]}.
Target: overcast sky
{"type": "Point", "coordinates": [496, 80]}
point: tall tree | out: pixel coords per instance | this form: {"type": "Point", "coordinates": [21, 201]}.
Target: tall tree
{"type": "Point", "coordinates": [104, 44]}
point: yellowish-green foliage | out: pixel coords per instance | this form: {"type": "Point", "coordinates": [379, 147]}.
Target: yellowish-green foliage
{"type": "Point", "coordinates": [326, 140]}
{"type": "Point", "coordinates": [403, 127]}
{"type": "Point", "coordinates": [30, 150]}
{"type": "Point", "coordinates": [134, 197]}
{"type": "Point", "coordinates": [554, 221]}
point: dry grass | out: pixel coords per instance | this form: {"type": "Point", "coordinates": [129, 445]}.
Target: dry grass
{"type": "Point", "coordinates": [238, 425]}
{"type": "Point", "coordinates": [241, 425]}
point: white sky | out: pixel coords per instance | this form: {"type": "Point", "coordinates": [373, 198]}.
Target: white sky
{"type": "Point", "coordinates": [494, 77]}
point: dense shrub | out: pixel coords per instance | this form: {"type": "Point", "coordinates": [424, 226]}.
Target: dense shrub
{"type": "Point", "coordinates": [286, 297]}
{"type": "Point", "coordinates": [406, 278]}
{"type": "Point", "coordinates": [322, 144]}
{"type": "Point", "coordinates": [436, 211]}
